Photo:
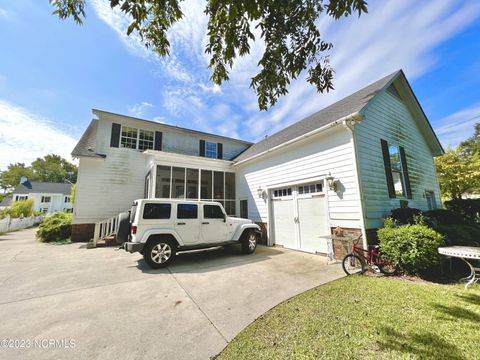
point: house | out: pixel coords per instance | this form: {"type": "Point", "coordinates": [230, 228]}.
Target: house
{"type": "Point", "coordinates": [6, 201]}
{"type": "Point", "coordinates": [47, 197]}
{"type": "Point", "coordinates": [345, 166]}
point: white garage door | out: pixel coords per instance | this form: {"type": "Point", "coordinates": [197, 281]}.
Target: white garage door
{"type": "Point", "coordinates": [283, 222]}
{"type": "Point", "coordinates": [300, 218]}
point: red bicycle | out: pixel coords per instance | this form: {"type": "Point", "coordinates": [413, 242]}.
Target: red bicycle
{"type": "Point", "coordinates": [359, 259]}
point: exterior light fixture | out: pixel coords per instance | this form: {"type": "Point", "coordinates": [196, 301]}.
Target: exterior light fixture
{"type": "Point", "coordinates": [260, 192]}
{"type": "Point", "coordinates": [332, 183]}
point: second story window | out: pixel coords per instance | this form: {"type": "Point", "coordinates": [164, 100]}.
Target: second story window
{"type": "Point", "coordinates": [129, 137]}
{"type": "Point", "coordinates": [46, 199]}
{"type": "Point", "coordinates": [67, 199]}
{"type": "Point", "coordinates": [210, 150]}
{"type": "Point", "coordinates": [397, 171]}
{"type": "Point", "coordinates": [133, 138]}
{"type": "Point", "coordinates": [145, 140]}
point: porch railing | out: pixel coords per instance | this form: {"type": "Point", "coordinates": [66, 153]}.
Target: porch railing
{"type": "Point", "coordinates": [104, 229]}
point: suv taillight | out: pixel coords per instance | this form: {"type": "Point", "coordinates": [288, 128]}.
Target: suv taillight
{"type": "Point", "coordinates": [134, 229]}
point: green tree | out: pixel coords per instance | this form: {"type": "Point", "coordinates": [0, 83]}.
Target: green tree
{"type": "Point", "coordinates": [458, 174]}
{"type": "Point", "coordinates": [471, 146]}
{"type": "Point", "coordinates": [288, 29]}
{"type": "Point", "coordinates": [54, 168]}
{"type": "Point", "coordinates": [10, 178]}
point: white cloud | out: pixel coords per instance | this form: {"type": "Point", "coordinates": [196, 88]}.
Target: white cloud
{"type": "Point", "coordinates": [139, 109]}
{"type": "Point", "coordinates": [393, 35]}
{"type": "Point", "coordinates": [25, 136]}
{"type": "Point", "coordinates": [457, 127]}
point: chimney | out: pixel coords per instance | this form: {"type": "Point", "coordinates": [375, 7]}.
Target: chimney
{"type": "Point", "coordinates": [23, 180]}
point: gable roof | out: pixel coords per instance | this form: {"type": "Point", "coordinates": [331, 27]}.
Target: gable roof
{"type": "Point", "coordinates": [36, 187]}
{"type": "Point", "coordinates": [88, 142]}
{"type": "Point", "coordinates": [349, 105]}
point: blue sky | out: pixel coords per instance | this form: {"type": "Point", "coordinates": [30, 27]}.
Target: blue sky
{"type": "Point", "coordinates": [52, 72]}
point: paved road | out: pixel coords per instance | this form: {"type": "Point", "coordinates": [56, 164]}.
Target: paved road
{"type": "Point", "coordinates": [106, 304]}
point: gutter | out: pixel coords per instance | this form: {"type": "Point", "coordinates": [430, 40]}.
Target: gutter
{"type": "Point", "coordinates": [352, 117]}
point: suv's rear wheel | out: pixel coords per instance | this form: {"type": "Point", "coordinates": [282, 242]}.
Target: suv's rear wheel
{"type": "Point", "coordinates": [249, 242]}
{"type": "Point", "coordinates": [159, 253]}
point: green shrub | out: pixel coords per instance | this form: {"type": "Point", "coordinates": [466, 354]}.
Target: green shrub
{"type": "Point", "coordinates": [403, 216]}
{"type": "Point", "coordinates": [413, 247]}
{"type": "Point", "coordinates": [22, 208]}
{"type": "Point", "coordinates": [55, 227]}
{"type": "Point", "coordinates": [468, 208]}
{"type": "Point", "coordinates": [460, 234]}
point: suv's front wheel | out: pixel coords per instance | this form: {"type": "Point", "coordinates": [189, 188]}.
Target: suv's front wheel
{"type": "Point", "coordinates": [159, 253]}
{"type": "Point", "coordinates": [249, 242]}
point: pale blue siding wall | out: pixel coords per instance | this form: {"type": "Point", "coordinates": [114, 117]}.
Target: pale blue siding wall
{"type": "Point", "coordinates": [387, 117]}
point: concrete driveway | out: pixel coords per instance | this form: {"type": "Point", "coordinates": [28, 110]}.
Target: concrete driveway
{"type": "Point", "coordinates": [62, 301]}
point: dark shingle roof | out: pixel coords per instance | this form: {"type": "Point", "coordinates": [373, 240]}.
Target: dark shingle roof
{"type": "Point", "coordinates": [347, 106]}
{"type": "Point", "coordinates": [43, 188]}
{"type": "Point", "coordinates": [6, 201]}
{"type": "Point", "coordinates": [87, 143]}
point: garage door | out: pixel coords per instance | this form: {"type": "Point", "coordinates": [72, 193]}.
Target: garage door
{"type": "Point", "coordinates": [300, 217]}
{"type": "Point", "coordinates": [283, 222]}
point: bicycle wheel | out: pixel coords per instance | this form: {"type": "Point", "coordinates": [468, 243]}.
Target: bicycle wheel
{"type": "Point", "coordinates": [353, 264]}
{"type": "Point", "coordinates": [387, 267]}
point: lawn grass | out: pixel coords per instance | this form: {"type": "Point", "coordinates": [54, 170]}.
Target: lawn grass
{"type": "Point", "coordinates": [362, 317]}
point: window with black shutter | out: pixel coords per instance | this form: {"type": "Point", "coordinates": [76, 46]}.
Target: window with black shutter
{"type": "Point", "coordinates": [396, 170]}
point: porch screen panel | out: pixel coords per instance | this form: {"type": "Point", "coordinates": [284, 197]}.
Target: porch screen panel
{"type": "Point", "coordinates": [229, 186]}
{"type": "Point", "coordinates": [192, 184]}
{"type": "Point", "coordinates": [178, 183]}
{"type": "Point", "coordinates": [206, 185]}
{"type": "Point", "coordinates": [162, 188]}
{"type": "Point", "coordinates": [218, 185]}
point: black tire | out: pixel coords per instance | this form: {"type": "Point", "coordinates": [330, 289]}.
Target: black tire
{"type": "Point", "coordinates": [159, 253]}
{"type": "Point", "coordinates": [388, 268]}
{"type": "Point", "coordinates": [123, 228]}
{"type": "Point", "coordinates": [249, 241]}
{"type": "Point", "coordinates": [353, 264]}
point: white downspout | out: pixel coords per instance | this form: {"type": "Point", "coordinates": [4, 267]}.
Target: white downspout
{"type": "Point", "coordinates": [350, 125]}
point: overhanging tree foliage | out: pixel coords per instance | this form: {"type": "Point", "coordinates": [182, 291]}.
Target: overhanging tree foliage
{"type": "Point", "coordinates": [293, 42]}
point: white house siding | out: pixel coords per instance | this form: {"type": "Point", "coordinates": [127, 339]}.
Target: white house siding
{"type": "Point", "coordinates": [106, 187]}
{"type": "Point", "coordinates": [57, 202]}
{"type": "Point", "coordinates": [174, 141]}
{"type": "Point", "coordinates": [329, 152]}
{"type": "Point", "coordinates": [388, 118]}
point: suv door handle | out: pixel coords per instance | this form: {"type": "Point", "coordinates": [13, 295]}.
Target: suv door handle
{"type": "Point", "coordinates": [205, 223]}
{"type": "Point", "coordinates": [181, 223]}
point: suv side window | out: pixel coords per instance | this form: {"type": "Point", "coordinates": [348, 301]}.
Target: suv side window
{"type": "Point", "coordinates": [212, 212]}
{"type": "Point", "coordinates": [157, 211]}
{"type": "Point", "coordinates": [187, 211]}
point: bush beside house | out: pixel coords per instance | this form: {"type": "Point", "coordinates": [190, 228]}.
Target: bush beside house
{"type": "Point", "coordinates": [23, 208]}
{"type": "Point", "coordinates": [55, 227]}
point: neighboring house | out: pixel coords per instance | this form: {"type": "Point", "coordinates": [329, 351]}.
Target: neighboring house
{"type": "Point", "coordinates": [47, 197]}
{"type": "Point", "coordinates": [347, 165]}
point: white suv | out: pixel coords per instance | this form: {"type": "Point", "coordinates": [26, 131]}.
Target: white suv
{"type": "Point", "coordinates": [160, 228]}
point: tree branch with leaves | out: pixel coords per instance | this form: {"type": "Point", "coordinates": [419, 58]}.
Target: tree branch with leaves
{"type": "Point", "coordinates": [289, 30]}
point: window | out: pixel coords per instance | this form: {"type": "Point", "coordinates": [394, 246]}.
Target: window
{"type": "Point", "coordinates": [310, 189]}
{"type": "Point", "coordinates": [187, 211]}
{"type": "Point", "coordinates": [282, 192]}
{"type": "Point", "coordinates": [218, 185]}
{"type": "Point", "coordinates": [68, 210]}
{"type": "Point", "coordinates": [431, 202]}
{"type": "Point", "coordinates": [21, 197]}
{"type": "Point", "coordinates": [192, 183]}
{"type": "Point", "coordinates": [162, 186]}
{"type": "Point", "coordinates": [397, 173]}
{"type": "Point", "coordinates": [67, 199]}
{"type": "Point", "coordinates": [132, 138]}
{"type": "Point", "coordinates": [44, 210]}
{"type": "Point", "coordinates": [145, 140]}
{"type": "Point", "coordinates": [244, 209]}
{"type": "Point", "coordinates": [212, 212]}
{"type": "Point", "coordinates": [46, 199]}
{"type": "Point", "coordinates": [210, 150]}
{"type": "Point", "coordinates": [178, 183]}
{"type": "Point", "coordinates": [206, 185]}
{"type": "Point", "coordinates": [129, 137]}
{"type": "Point", "coordinates": [157, 211]}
